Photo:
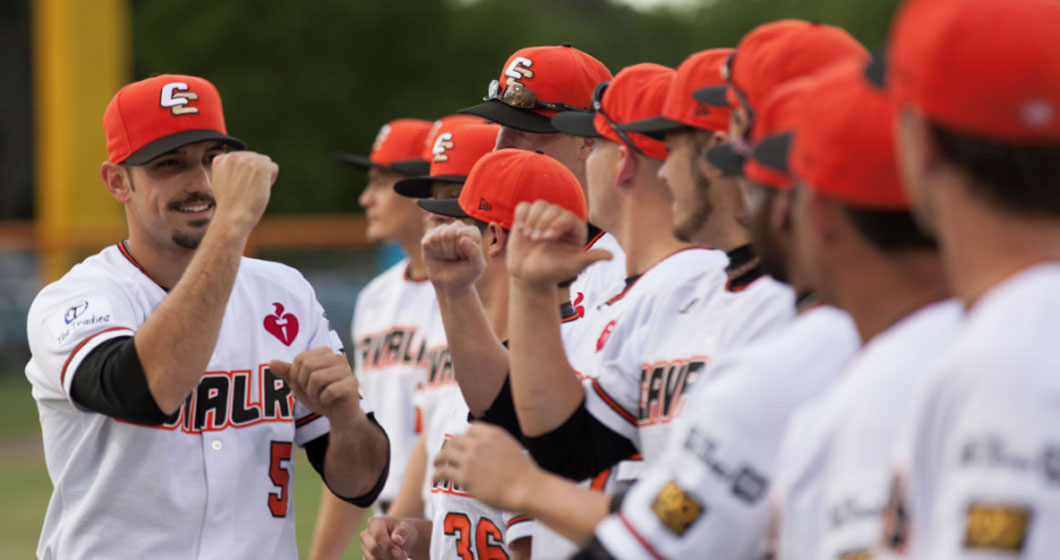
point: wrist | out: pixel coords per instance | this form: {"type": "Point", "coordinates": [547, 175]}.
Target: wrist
{"type": "Point", "coordinates": [452, 292]}
{"type": "Point", "coordinates": [521, 287]}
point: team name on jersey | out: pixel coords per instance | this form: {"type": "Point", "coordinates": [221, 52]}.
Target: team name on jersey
{"type": "Point", "coordinates": [663, 388]}
{"type": "Point", "coordinates": [439, 367]}
{"type": "Point", "coordinates": [447, 486]}
{"type": "Point", "coordinates": [233, 399]}
{"type": "Point", "coordinates": [393, 347]}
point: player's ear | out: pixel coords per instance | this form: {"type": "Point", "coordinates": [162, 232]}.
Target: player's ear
{"type": "Point", "coordinates": [117, 180]}
{"type": "Point", "coordinates": [627, 165]}
{"type": "Point", "coordinates": [496, 240]}
{"type": "Point", "coordinates": [585, 147]}
{"type": "Point", "coordinates": [780, 208]}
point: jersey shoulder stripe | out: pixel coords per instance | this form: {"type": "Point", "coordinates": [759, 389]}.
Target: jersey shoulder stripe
{"type": "Point", "coordinates": [640, 538]}
{"type": "Point", "coordinates": [611, 403]}
{"type": "Point", "coordinates": [62, 374]}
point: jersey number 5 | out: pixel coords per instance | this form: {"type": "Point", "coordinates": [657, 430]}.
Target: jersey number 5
{"type": "Point", "coordinates": [279, 452]}
{"type": "Point", "coordinates": [486, 548]}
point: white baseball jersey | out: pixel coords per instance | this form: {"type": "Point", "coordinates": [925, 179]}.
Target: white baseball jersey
{"type": "Point", "coordinates": [392, 332]}
{"type": "Point", "coordinates": [706, 496]}
{"type": "Point", "coordinates": [602, 279]}
{"type": "Point", "coordinates": [660, 343]}
{"type": "Point", "coordinates": [463, 527]}
{"type": "Point", "coordinates": [834, 481]}
{"type": "Point", "coordinates": [432, 399]}
{"type": "Point", "coordinates": [979, 459]}
{"type": "Point", "coordinates": [215, 480]}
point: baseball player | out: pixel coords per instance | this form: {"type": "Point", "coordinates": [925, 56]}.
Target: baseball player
{"type": "Point", "coordinates": [173, 376]}
{"type": "Point", "coordinates": [706, 496]}
{"type": "Point", "coordinates": [536, 84]}
{"type": "Point", "coordinates": [979, 147]}
{"type": "Point", "coordinates": [455, 151]}
{"type": "Point", "coordinates": [463, 258]}
{"type": "Point", "coordinates": [868, 258]}
{"type": "Point", "coordinates": [392, 321]}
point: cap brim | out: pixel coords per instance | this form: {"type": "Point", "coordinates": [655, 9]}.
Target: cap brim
{"type": "Point", "coordinates": [445, 207]}
{"type": "Point", "coordinates": [655, 127]}
{"type": "Point", "coordinates": [773, 152]}
{"type": "Point", "coordinates": [725, 158]}
{"type": "Point", "coordinates": [876, 70]}
{"type": "Point", "coordinates": [411, 167]}
{"type": "Point", "coordinates": [167, 144]}
{"type": "Point", "coordinates": [360, 162]}
{"type": "Point", "coordinates": [712, 95]}
{"type": "Point", "coordinates": [511, 117]}
{"type": "Point", "coordinates": [577, 123]}
{"type": "Point", "coordinates": [420, 187]}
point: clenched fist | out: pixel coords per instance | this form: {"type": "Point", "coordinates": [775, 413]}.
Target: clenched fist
{"type": "Point", "coordinates": [241, 183]}
{"type": "Point", "coordinates": [452, 254]}
{"type": "Point", "coordinates": [546, 245]}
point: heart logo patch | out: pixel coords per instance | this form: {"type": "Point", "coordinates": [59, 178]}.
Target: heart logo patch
{"type": "Point", "coordinates": [283, 326]}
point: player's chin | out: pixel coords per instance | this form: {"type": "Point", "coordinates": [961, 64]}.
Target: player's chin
{"type": "Point", "coordinates": [190, 238]}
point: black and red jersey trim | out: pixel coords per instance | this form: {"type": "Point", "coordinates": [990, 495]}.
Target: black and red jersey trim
{"type": "Point", "coordinates": [611, 403]}
{"type": "Point", "coordinates": [80, 345]}
{"type": "Point", "coordinates": [125, 252]}
{"type": "Point", "coordinates": [519, 519]}
{"type": "Point", "coordinates": [305, 420]}
{"type": "Point", "coordinates": [632, 280]}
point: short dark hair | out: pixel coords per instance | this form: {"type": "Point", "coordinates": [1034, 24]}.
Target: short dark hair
{"type": "Point", "coordinates": [1021, 177]}
{"type": "Point", "coordinates": [890, 231]}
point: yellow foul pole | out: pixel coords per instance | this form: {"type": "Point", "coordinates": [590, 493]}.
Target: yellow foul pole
{"type": "Point", "coordinates": [81, 57]}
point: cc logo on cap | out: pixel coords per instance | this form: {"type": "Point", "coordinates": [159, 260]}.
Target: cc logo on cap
{"type": "Point", "coordinates": [520, 68]}
{"type": "Point", "coordinates": [177, 98]}
{"type": "Point", "coordinates": [441, 144]}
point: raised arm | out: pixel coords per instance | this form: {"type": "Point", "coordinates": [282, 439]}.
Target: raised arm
{"type": "Point", "coordinates": [452, 254]}
{"type": "Point", "coordinates": [545, 248]}
{"type": "Point", "coordinates": [174, 345]}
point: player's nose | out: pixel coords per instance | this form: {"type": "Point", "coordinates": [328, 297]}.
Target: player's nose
{"type": "Point", "coordinates": [198, 179]}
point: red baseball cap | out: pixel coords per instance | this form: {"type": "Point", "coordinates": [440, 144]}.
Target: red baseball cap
{"type": "Point", "coordinates": [538, 82]}
{"type": "Point", "coordinates": [637, 92]}
{"type": "Point", "coordinates": [448, 122]}
{"type": "Point", "coordinates": [986, 68]}
{"type": "Point", "coordinates": [844, 141]}
{"type": "Point", "coordinates": [456, 149]}
{"type": "Point", "coordinates": [397, 147]}
{"type": "Point", "coordinates": [776, 52]}
{"type": "Point", "coordinates": [680, 110]}
{"type": "Point", "coordinates": [501, 180]}
{"type": "Point", "coordinates": [772, 133]}
{"type": "Point", "coordinates": [151, 117]}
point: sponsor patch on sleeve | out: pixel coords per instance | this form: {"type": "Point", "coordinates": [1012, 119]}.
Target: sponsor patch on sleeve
{"type": "Point", "coordinates": [996, 527]}
{"type": "Point", "coordinates": [675, 508]}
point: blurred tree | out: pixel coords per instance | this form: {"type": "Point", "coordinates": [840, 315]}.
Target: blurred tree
{"type": "Point", "coordinates": [304, 80]}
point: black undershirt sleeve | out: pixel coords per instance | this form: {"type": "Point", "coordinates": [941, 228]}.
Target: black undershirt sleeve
{"type": "Point", "coordinates": [502, 412]}
{"type": "Point", "coordinates": [317, 449]}
{"type": "Point", "coordinates": [579, 448]}
{"type": "Point", "coordinates": [111, 381]}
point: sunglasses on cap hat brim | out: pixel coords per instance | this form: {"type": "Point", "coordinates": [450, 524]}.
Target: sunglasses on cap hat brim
{"type": "Point", "coordinates": [420, 187]}
{"type": "Point", "coordinates": [718, 95]}
{"type": "Point", "coordinates": [444, 207]}
{"type": "Point", "coordinates": [514, 107]}
{"type": "Point", "coordinates": [581, 123]}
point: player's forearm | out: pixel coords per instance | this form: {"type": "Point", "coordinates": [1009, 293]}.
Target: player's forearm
{"type": "Point", "coordinates": [545, 388]}
{"type": "Point", "coordinates": [480, 361]}
{"type": "Point", "coordinates": [565, 507]}
{"type": "Point", "coordinates": [409, 500]}
{"type": "Point", "coordinates": [337, 523]}
{"type": "Point", "coordinates": [175, 343]}
{"type": "Point", "coordinates": [358, 453]}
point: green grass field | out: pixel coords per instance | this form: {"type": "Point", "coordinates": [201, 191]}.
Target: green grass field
{"type": "Point", "coordinates": [28, 488]}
